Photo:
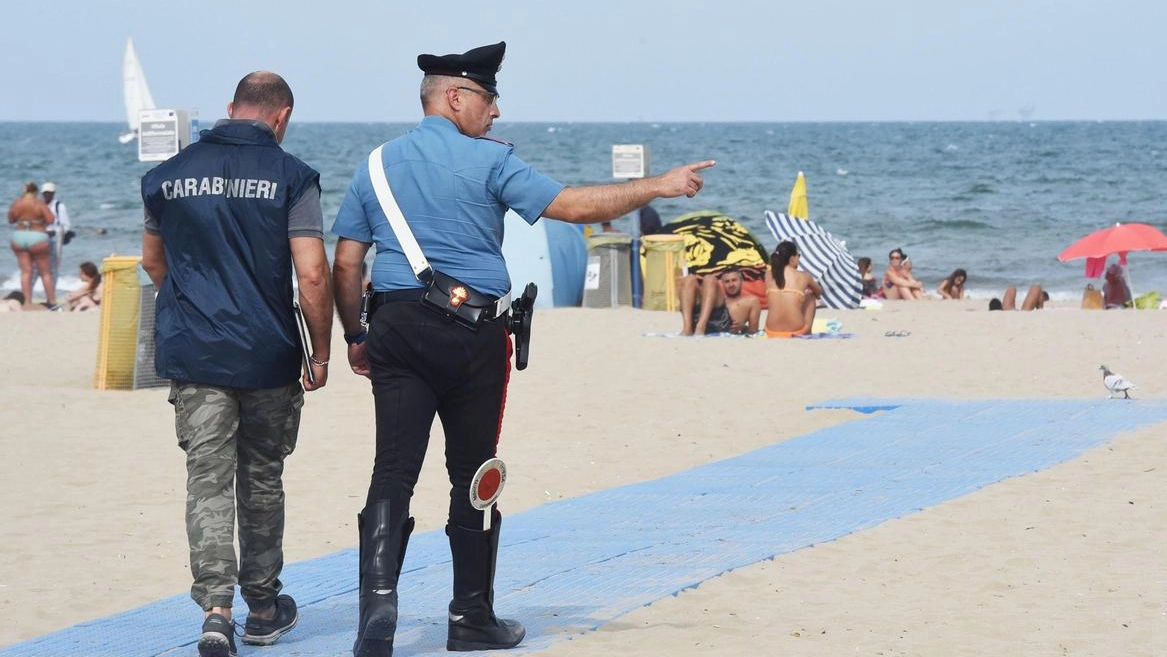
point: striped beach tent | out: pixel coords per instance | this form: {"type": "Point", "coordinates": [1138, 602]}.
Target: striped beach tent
{"type": "Point", "coordinates": [823, 257]}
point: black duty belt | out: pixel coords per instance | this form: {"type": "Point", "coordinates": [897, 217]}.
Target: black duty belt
{"type": "Point", "coordinates": [500, 307]}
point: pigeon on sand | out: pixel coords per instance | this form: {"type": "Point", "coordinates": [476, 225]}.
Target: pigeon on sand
{"type": "Point", "coordinates": [1115, 383]}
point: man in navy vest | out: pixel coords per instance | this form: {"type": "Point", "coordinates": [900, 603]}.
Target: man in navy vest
{"type": "Point", "coordinates": [226, 219]}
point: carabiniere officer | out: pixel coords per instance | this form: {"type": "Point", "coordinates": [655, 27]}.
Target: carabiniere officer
{"type": "Point", "coordinates": [453, 185]}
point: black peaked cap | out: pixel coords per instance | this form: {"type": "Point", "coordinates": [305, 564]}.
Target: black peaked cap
{"type": "Point", "coordinates": [479, 64]}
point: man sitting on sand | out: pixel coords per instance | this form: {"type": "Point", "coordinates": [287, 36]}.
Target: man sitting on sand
{"type": "Point", "coordinates": [1115, 292]}
{"type": "Point", "coordinates": [713, 305]}
{"type": "Point", "coordinates": [1034, 299]}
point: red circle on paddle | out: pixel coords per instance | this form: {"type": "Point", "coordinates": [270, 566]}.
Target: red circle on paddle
{"type": "Point", "coordinates": [487, 483]}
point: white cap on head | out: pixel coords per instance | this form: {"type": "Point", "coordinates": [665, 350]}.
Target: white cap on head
{"type": "Point", "coordinates": [48, 187]}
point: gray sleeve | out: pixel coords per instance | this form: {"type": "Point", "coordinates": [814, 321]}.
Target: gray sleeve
{"type": "Point", "coordinates": [152, 226]}
{"type": "Point", "coordinates": [306, 218]}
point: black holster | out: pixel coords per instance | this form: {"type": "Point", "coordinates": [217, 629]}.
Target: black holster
{"type": "Point", "coordinates": [522, 313]}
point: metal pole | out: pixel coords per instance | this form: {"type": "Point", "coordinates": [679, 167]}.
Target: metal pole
{"type": "Point", "coordinates": [636, 283]}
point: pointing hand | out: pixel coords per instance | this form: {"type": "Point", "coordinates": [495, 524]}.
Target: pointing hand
{"type": "Point", "coordinates": [684, 180]}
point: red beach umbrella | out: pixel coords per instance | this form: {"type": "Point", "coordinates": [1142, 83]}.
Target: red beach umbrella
{"type": "Point", "coordinates": [1120, 239]}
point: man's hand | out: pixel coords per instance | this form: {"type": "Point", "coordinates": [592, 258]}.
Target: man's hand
{"type": "Point", "coordinates": [358, 358]}
{"type": "Point", "coordinates": [684, 180]}
{"type": "Point", "coordinates": [321, 373]}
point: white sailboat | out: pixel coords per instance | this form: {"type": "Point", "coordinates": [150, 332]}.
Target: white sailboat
{"type": "Point", "coordinates": [136, 91]}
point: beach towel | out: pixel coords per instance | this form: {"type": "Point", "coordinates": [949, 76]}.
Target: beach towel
{"type": "Point", "coordinates": [658, 334]}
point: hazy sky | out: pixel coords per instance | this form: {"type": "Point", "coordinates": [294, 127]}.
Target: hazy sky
{"type": "Point", "coordinates": [607, 60]}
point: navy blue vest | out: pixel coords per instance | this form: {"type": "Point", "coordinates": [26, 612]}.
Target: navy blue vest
{"type": "Point", "coordinates": [224, 312]}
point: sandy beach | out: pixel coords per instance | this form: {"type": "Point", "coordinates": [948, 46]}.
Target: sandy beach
{"type": "Point", "coordinates": [1066, 561]}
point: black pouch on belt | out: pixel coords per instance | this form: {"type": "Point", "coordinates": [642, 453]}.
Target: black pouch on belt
{"type": "Point", "coordinates": [456, 300]}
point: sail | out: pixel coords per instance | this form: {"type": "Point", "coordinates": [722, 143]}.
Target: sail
{"type": "Point", "coordinates": [137, 93]}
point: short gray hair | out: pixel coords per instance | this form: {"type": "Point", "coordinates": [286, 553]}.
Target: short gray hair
{"type": "Point", "coordinates": [433, 86]}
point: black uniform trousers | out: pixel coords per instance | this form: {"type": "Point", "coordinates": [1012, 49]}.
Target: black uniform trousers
{"type": "Point", "coordinates": [423, 364]}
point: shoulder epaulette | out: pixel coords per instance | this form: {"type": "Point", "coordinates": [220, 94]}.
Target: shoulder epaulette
{"type": "Point", "coordinates": [496, 140]}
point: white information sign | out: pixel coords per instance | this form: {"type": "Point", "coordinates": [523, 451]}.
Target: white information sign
{"type": "Point", "coordinates": [592, 276]}
{"type": "Point", "coordinates": [629, 160]}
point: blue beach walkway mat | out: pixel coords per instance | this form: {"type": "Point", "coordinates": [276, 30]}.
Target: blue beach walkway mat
{"type": "Point", "coordinates": [568, 567]}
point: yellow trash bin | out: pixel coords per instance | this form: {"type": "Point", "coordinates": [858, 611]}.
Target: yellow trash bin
{"type": "Point", "coordinates": [664, 264]}
{"type": "Point", "coordinates": [125, 345]}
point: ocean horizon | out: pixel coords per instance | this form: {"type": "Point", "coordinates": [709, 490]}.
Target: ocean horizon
{"type": "Point", "coordinates": [998, 198]}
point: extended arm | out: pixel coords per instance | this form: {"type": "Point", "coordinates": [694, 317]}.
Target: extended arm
{"type": "Point", "coordinates": [594, 203]}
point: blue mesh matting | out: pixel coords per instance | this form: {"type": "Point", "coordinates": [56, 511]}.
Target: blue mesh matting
{"type": "Point", "coordinates": [571, 566]}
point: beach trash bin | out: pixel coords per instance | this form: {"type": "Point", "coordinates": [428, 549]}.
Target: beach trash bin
{"type": "Point", "coordinates": [125, 345]}
{"type": "Point", "coordinates": [664, 264]}
{"type": "Point", "coordinates": [608, 280]}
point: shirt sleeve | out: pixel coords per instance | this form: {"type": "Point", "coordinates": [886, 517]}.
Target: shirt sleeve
{"type": "Point", "coordinates": [63, 217]}
{"type": "Point", "coordinates": [152, 226]}
{"type": "Point", "coordinates": [523, 189]}
{"type": "Point", "coordinates": [351, 221]}
{"type": "Point", "coordinates": [306, 219]}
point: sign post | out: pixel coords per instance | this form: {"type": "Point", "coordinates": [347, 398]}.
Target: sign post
{"type": "Point", "coordinates": [632, 161]}
{"type": "Point", "coordinates": [486, 486]}
{"type": "Point", "coordinates": [164, 132]}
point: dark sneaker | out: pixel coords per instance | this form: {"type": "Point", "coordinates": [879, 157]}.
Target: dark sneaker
{"type": "Point", "coordinates": [218, 638]}
{"type": "Point", "coordinates": [264, 632]}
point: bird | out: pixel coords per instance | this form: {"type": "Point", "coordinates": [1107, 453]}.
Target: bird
{"type": "Point", "coordinates": [1115, 383]}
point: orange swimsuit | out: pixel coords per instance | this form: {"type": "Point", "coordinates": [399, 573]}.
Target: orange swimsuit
{"type": "Point", "coordinates": [787, 334]}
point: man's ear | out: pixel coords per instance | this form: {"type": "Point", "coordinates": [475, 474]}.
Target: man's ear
{"type": "Point", "coordinates": [230, 109]}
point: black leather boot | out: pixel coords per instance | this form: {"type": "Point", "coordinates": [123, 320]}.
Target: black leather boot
{"type": "Point", "coordinates": [382, 551]}
{"type": "Point", "coordinates": [473, 625]}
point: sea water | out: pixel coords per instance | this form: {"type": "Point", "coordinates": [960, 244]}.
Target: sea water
{"type": "Point", "coordinates": [999, 199]}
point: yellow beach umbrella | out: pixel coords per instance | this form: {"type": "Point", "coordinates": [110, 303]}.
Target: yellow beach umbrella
{"type": "Point", "coordinates": [798, 207]}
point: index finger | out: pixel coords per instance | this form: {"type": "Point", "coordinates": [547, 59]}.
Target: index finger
{"type": "Point", "coordinates": [704, 164]}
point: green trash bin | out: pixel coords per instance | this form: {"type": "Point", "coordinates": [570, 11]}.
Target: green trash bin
{"type": "Point", "coordinates": [608, 281]}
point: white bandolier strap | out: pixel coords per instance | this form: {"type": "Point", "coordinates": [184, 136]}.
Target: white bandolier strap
{"type": "Point", "coordinates": [417, 259]}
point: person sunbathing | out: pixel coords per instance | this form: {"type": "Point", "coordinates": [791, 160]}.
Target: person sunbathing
{"type": "Point", "coordinates": [88, 295]}
{"type": "Point", "coordinates": [953, 286]}
{"type": "Point", "coordinates": [791, 294]}
{"type": "Point", "coordinates": [714, 303]}
{"type": "Point", "coordinates": [1035, 299]}
{"type": "Point", "coordinates": [898, 283]}
{"type": "Point", "coordinates": [1115, 292]}
{"type": "Point", "coordinates": [12, 303]}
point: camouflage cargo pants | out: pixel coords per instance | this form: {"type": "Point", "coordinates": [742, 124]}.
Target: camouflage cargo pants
{"type": "Point", "coordinates": [235, 443]}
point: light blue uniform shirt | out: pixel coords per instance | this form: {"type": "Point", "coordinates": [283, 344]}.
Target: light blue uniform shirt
{"type": "Point", "coordinates": [453, 191]}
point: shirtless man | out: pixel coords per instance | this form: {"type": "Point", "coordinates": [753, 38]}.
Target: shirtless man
{"type": "Point", "coordinates": [745, 310]}
{"type": "Point", "coordinates": [712, 305]}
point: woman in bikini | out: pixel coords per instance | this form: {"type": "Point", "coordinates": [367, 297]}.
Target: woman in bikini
{"type": "Point", "coordinates": [953, 286]}
{"type": "Point", "coordinates": [898, 284]}
{"type": "Point", "coordinates": [791, 294]}
{"type": "Point", "coordinates": [89, 295]}
{"type": "Point", "coordinates": [28, 216]}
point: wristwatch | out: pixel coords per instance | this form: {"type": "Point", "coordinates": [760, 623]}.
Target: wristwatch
{"type": "Point", "coordinates": [359, 338]}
